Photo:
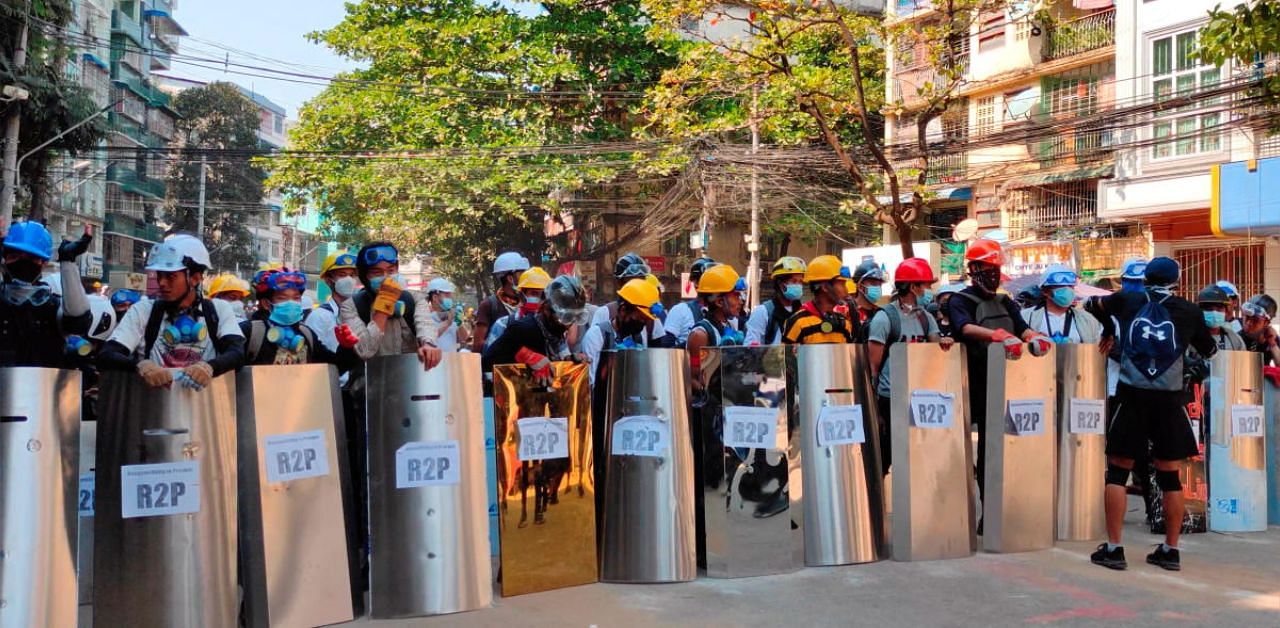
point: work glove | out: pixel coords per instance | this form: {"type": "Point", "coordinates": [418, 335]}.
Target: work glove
{"type": "Point", "coordinates": [539, 364]}
{"type": "Point", "coordinates": [346, 338]}
{"type": "Point", "coordinates": [946, 343]}
{"type": "Point", "coordinates": [184, 380]}
{"type": "Point", "coordinates": [155, 375]}
{"type": "Point", "coordinates": [429, 356]}
{"type": "Point", "coordinates": [70, 250]}
{"type": "Point", "coordinates": [388, 296]}
{"type": "Point", "coordinates": [1040, 345]}
{"type": "Point", "coordinates": [200, 373]}
{"type": "Point", "coordinates": [1012, 345]}
{"type": "Point", "coordinates": [1272, 373]}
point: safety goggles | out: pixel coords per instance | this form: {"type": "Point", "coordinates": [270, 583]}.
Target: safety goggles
{"type": "Point", "coordinates": [287, 280]}
{"type": "Point", "coordinates": [345, 259]}
{"type": "Point", "coordinates": [1060, 278]}
{"type": "Point", "coordinates": [569, 317]}
{"type": "Point", "coordinates": [635, 271]}
{"type": "Point", "coordinates": [1254, 310]}
{"type": "Point", "coordinates": [740, 286]}
{"type": "Point", "coordinates": [125, 297]}
{"type": "Point", "coordinates": [381, 253]}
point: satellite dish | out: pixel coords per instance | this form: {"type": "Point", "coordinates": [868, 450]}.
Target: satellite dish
{"type": "Point", "coordinates": [964, 230]}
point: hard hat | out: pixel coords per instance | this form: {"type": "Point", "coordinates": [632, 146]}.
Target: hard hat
{"type": "Point", "coordinates": [1163, 271]}
{"type": "Point", "coordinates": [914, 270]}
{"type": "Point", "coordinates": [1059, 275]}
{"type": "Point", "coordinates": [868, 269]}
{"type": "Point", "coordinates": [228, 283]}
{"type": "Point", "coordinates": [103, 320]}
{"type": "Point", "coordinates": [1213, 295]}
{"type": "Point", "coordinates": [259, 284]}
{"type": "Point", "coordinates": [655, 282]}
{"type": "Point", "coordinates": [179, 252]}
{"type": "Point", "coordinates": [788, 266]}
{"type": "Point", "coordinates": [510, 262]}
{"type": "Point", "coordinates": [1134, 268]}
{"type": "Point", "coordinates": [1229, 288]}
{"type": "Point", "coordinates": [825, 268]}
{"type": "Point", "coordinates": [568, 300]}
{"type": "Point", "coordinates": [720, 279]}
{"type": "Point", "coordinates": [641, 294]}
{"type": "Point", "coordinates": [439, 284]}
{"type": "Point", "coordinates": [533, 279]}
{"type": "Point", "coordinates": [984, 250]}
{"type": "Point", "coordinates": [338, 260]}
{"type": "Point", "coordinates": [698, 267]}
{"type": "Point", "coordinates": [1259, 305]}
{"type": "Point", "coordinates": [630, 266]}
{"type": "Point", "coordinates": [282, 279]}
{"type": "Point", "coordinates": [31, 238]}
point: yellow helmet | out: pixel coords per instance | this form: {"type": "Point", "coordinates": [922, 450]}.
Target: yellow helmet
{"type": "Point", "coordinates": [229, 283]}
{"type": "Point", "coordinates": [338, 260]}
{"type": "Point", "coordinates": [654, 281]}
{"type": "Point", "coordinates": [720, 279]}
{"type": "Point", "coordinates": [788, 266]}
{"type": "Point", "coordinates": [825, 268]}
{"type": "Point", "coordinates": [640, 293]}
{"type": "Point", "coordinates": [534, 279]}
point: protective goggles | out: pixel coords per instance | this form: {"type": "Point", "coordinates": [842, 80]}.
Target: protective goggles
{"type": "Point", "coordinates": [569, 317]}
{"type": "Point", "coordinates": [382, 253]}
{"type": "Point", "coordinates": [636, 271]}
{"type": "Point", "coordinates": [286, 280]}
{"type": "Point", "coordinates": [345, 259]}
{"type": "Point", "coordinates": [1060, 278]}
{"type": "Point", "coordinates": [1254, 310]}
{"type": "Point", "coordinates": [125, 297]}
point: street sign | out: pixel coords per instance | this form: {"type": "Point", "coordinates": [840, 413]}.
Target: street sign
{"type": "Point", "coordinates": [657, 264]}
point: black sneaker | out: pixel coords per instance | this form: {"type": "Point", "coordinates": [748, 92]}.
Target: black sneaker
{"type": "Point", "coordinates": [1113, 559]}
{"type": "Point", "coordinates": [1165, 559]}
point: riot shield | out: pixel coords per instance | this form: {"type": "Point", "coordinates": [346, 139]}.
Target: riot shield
{"type": "Point", "coordinates": [545, 449]}
{"type": "Point", "coordinates": [933, 481]}
{"type": "Point", "coordinates": [1018, 514]}
{"type": "Point", "coordinates": [165, 517]}
{"type": "Point", "coordinates": [1237, 443]}
{"type": "Point", "coordinates": [1271, 399]}
{"type": "Point", "coordinates": [648, 519]}
{"type": "Point", "coordinates": [295, 490]}
{"type": "Point", "coordinates": [831, 404]}
{"type": "Point", "coordinates": [747, 453]}
{"type": "Point", "coordinates": [84, 552]}
{"type": "Point", "coordinates": [428, 519]}
{"type": "Point", "coordinates": [1082, 442]}
{"type": "Point", "coordinates": [39, 451]}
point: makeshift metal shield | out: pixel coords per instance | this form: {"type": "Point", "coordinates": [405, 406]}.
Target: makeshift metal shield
{"type": "Point", "coordinates": [1237, 443]}
{"type": "Point", "coordinates": [1082, 442]}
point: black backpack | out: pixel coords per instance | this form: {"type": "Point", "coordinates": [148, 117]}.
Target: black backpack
{"type": "Point", "coordinates": [1150, 356]}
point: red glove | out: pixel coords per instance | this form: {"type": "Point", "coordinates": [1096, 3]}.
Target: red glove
{"type": "Point", "coordinates": [1040, 345]}
{"type": "Point", "coordinates": [346, 339]}
{"type": "Point", "coordinates": [538, 363]}
{"type": "Point", "coordinates": [1012, 346]}
{"type": "Point", "coordinates": [1272, 373]}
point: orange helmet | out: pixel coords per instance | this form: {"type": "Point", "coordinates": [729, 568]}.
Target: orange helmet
{"type": "Point", "coordinates": [984, 250]}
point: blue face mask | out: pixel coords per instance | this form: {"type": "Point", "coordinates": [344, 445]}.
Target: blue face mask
{"type": "Point", "coordinates": [926, 298]}
{"type": "Point", "coordinates": [531, 300]}
{"type": "Point", "coordinates": [286, 313]}
{"type": "Point", "coordinates": [376, 282]}
{"type": "Point", "coordinates": [1215, 319]}
{"type": "Point", "coordinates": [1064, 296]}
{"type": "Point", "coordinates": [793, 291]}
{"type": "Point", "coordinates": [873, 293]}
{"type": "Point", "coordinates": [1133, 285]}
{"type": "Point", "coordinates": [446, 304]}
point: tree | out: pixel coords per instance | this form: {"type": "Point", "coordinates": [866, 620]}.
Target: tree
{"type": "Point", "coordinates": [221, 125]}
{"type": "Point", "coordinates": [816, 69]}
{"type": "Point", "coordinates": [1249, 36]}
{"type": "Point", "coordinates": [494, 118]}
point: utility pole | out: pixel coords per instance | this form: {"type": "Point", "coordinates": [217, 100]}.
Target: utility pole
{"type": "Point", "coordinates": [10, 194]}
{"type": "Point", "coordinates": [753, 270]}
{"type": "Point", "coordinates": [204, 161]}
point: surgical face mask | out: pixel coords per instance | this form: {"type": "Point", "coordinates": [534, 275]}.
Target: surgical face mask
{"type": "Point", "coordinates": [286, 313]}
{"type": "Point", "coordinates": [345, 287]}
{"type": "Point", "coordinates": [238, 308]}
{"type": "Point", "coordinates": [1215, 319]}
{"type": "Point", "coordinates": [987, 278]}
{"type": "Point", "coordinates": [1064, 296]}
{"type": "Point", "coordinates": [925, 298]}
{"type": "Point", "coordinates": [376, 282]}
{"type": "Point", "coordinates": [446, 304]}
{"type": "Point", "coordinates": [1132, 285]}
{"type": "Point", "coordinates": [873, 293]}
{"type": "Point", "coordinates": [24, 269]}
{"type": "Point", "coordinates": [793, 291]}
{"type": "Point", "coordinates": [533, 300]}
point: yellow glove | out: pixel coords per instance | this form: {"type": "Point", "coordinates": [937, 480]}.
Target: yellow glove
{"type": "Point", "coordinates": [154, 375]}
{"type": "Point", "coordinates": [388, 296]}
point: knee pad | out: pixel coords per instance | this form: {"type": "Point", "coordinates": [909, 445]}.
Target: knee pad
{"type": "Point", "coordinates": [1168, 481]}
{"type": "Point", "coordinates": [1117, 475]}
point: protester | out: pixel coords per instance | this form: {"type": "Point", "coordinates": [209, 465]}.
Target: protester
{"type": "Point", "coordinates": [1258, 334]}
{"type": "Point", "coordinates": [384, 318]}
{"type": "Point", "coordinates": [940, 311]}
{"type": "Point", "coordinates": [33, 320]}
{"type": "Point", "coordinates": [538, 340]}
{"type": "Point", "coordinates": [868, 279]}
{"type": "Point", "coordinates": [233, 290]}
{"type": "Point", "coordinates": [440, 297]}
{"type": "Point", "coordinates": [818, 321]}
{"type": "Point", "coordinates": [504, 302]}
{"type": "Point", "coordinates": [636, 308]}
{"type": "Point", "coordinates": [1057, 315]}
{"type": "Point", "coordinates": [532, 284]}
{"type": "Point", "coordinates": [282, 339]}
{"type": "Point", "coordinates": [1233, 307]}
{"type": "Point", "coordinates": [1214, 303]}
{"type": "Point", "coordinates": [686, 314]}
{"type": "Point", "coordinates": [720, 292]}
{"type": "Point", "coordinates": [339, 273]}
{"type": "Point", "coordinates": [764, 326]}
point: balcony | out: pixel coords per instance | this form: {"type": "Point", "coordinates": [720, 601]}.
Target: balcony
{"type": "Point", "coordinates": [948, 168]}
{"type": "Point", "coordinates": [123, 24]}
{"type": "Point", "coordinates": [144, 90]}
{"type": "Point", "coordinates": [1079, 147]}
{"type": "Point", "coordinates": [133, 228]}
{"type": "Point", "coordinates": [161, 59]}
{"type": "Point", "coordinates": [1081, 35]}
{"type": "Point", "coordinates": [129, 181]}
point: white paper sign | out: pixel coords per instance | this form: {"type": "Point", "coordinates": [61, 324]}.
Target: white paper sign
{"type": "Point", "coordinates": [1025, 417]}
{"type": "Point", "coordinates": [1087, 416]}
{"type": "Point", "coordinates": [88, 485]}
{"type": "Point", "coordinates": [427, 463]}
{"type": "Point", "coordinates": [641, 436]}
{"type": "Point", "coordinates": [840, 425]}
{"type": "Point", "coordinates": [932, 409]}
{"type": "Point", "coordinates": [543, 438]}
{"type": "Point", "coordinates": [295, 456]}
{"type": "Point", "coordinates": [751, 427]}
{"type": "Point", "coordinates": [152, 490]}
{"type": "Point", "coordinates": [1246, 421]}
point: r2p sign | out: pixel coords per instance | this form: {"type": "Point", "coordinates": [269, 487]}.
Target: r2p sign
{"type": "Point", "coordinates": [153, 490]}
{"type": "Point", "coordinates": [427, 463]}
{"type": "Point", "coordinates": [296, 456]}
{"type": "Point", "coordinates": [641, 436]}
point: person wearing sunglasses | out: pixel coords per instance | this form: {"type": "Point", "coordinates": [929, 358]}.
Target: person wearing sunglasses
{"type": "Point", "coordinates": [1258, 334]}
{"type": "Point", "coordinates": [282, 339]}
{"type": "Point", "coordinates": [34, 321]}
{"type": "Point", "coordinates": [384, 318]}
{"type": "Point", "coordinates": [822, 320]}
{"type": "Point", "coordinates": [504, 302]}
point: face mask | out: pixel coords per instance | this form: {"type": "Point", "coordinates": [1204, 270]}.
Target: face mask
{"type": "Point", "coordinates": [238, 308]}
{"type": "Point", "coordinates": [286, 313]}
{"type": "Point", "coordinates": [988, 279]}
{"type": "Point", "coordinates": [346, 286]}
{"type": "Point", "coordinates": [630, 328]}
{"type": "Point", "coordinates": [1215, 319]}
{"type": "Point", "coordinates": [376, 282]}
{"type": "Point", "coordinates": [17, 292]}
{"type": "Point", "coordinates": [793, 291]}
{"type": "Point", "coordinates": [533, 300]}
{"type": "Point", "coordinates": [1064, 297]}
{"type": "Point", "coordinates": [873, 293]}
{"type": "Point", "coordinates": [24, 270]}
{"type": "Point", "coordinates": [446, 304]}
{"type": "Point", "coordinates": [1132, 285]}
{"type": "Point", "coordinates": [925, 299]}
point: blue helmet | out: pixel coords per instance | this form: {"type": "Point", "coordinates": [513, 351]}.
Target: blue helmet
{"type": "Point", "coordinates": [1163, 271]}
{"type": "Point", "coordinates": [1059, 275]}
{"type": "Point", "coordinates": [30, 237]}
{"type": "Point", "coordinates": [1134, 268]}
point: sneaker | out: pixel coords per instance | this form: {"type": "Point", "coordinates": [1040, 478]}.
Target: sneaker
{"type": "Point", "coordinates": [1113, 559]}
{"type": "Point", "coordinates": [1165, 559]}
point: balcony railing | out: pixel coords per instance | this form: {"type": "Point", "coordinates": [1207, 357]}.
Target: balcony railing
{"type": "Point", "coordinates": [949, 168]}
{"type": "Point", "coordinates": [127, 26]}
{"type": "Point", "coordinates": [1078, 146]}
{"type": "Point", "coordinates": [130, 182]}
{"type": "Point", "coordinates": [1081, 35]}
{"type": "Point", "coordinates": [134, 228]}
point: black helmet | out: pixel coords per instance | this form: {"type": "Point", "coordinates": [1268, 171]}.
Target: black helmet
{"type": "Point", "coordinates": [630, 266]}
{"type": "Point", "coordinates": [1213, 295]}
{"type": "Point", "coordinates": [868, 269]}
{"type": "Point", "coordinates": [1260, 305]}
{"type": "Point", "coordinates": [698, 267]}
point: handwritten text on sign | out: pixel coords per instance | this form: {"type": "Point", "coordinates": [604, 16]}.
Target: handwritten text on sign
{"type": "Point", "coordinates": [1246, 420]}
{"type": "Point", "coordinates": [296, 456]}
{"type": "Point", "coordinates": [543, 438]}
{"type": "Point", "coordinates": [750, 427]}
{"type": "Point", "coordinates": [1086, 416]}
{"type": "Point", "coordinates": [840, 425]}
{"type": "Point", "coordinates": [1026, 417]}
{"type": "Point", "coordinates": [427, 463]}
{"type": "Point", "coordinates": [152, 490]}
{"type": "Point", "coordinates": [641, 436]}
{"type": "Point", "coordinates": [932, 409]}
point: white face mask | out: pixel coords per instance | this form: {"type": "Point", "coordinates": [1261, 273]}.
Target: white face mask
{"type": "Point", "coordinates": [345, 287]}
{"type": "Point", "coordinates": [238, 308]}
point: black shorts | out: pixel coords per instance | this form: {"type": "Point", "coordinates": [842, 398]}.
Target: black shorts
{"type": "Point", "coordinates": [1157, 416]}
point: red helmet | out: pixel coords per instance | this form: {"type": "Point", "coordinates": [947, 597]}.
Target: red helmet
{"type": "Point", "coordinates": [914, 270]}
{"type": "Point", "coordinates": [983, 250]}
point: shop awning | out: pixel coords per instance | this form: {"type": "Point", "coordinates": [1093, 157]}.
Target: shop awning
{"type": "Point", "coordinates": [1090, 172]}
{"type": "Point", "coordinates": [941, 194]}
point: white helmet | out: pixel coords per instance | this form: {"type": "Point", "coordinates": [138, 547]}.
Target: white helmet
{"type": "Point", "coordinates": [173, 254]}
{"type": "Point", "coordinates": [439, 284]}
{"type": "Point", "coordinates": [510, 262]}
{"type": "Point", "coordinates": [103, 320]}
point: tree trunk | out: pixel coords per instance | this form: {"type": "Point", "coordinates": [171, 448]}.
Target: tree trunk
{"type": "Point", "coordinates": [905, 238]}
{"type": "Point", "coordinates": [38, 190]}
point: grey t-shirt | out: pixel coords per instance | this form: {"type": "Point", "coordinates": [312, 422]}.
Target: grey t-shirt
{"type": "Point", "coordinates": [912, 331]}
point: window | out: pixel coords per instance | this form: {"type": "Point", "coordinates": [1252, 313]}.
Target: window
{"type": "Point", "coordinates": [991, 32]}
{"type": "Point", "coordinates": [279, 126]}
{"type": "Point", "coordinates": [985, 116]}
{"type": "Point", "coordinates": [1071, 97]}
{"type": "Point", "coordinates": [1175, 72]}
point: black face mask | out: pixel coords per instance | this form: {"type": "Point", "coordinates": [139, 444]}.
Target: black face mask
{"type": "Point", "coordinates": [630, 327]}
{"type": "Point", "coordinates": [24, 269]}
{"type": "Point", "coordinates": [988, 278]}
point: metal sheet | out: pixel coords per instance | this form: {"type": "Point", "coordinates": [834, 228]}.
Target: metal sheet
{"type": "Point", "coordinates": [647, 530]}
{"type": "Point", "coordinates": [1018, 514]}
{"type": "Point", "coordinates": [491, 477]}
{"type": "Point", "coordinates": [174, 570]}
{"type": "Point", "coordinates": [293, 532]}
{"type": "Point", "coordinates": [430, 544]}
{"type": "Point", "coordinates": [1237, 464]}
{"type": "Point", "coordinates": [933, 482]}
{"type": "Point", "coordinates": [84, 550]}
{"type": "Point", "coordinates": [1082, 457]}
{"type": "Point", "coordinates": [843, 485]}
{"type": "Point", "coordinates": [1271, 399]}
{"type": "Point", "coordinates": [748, 514]}
{"type": "Point", "coordinates": [551, 544]}
{"type": "Point", "coordinates": [39, 451]}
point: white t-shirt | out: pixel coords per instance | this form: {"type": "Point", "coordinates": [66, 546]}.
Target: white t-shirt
{"type": "Point", "coordinates": [602, 317]}
{"type": "Point", "coordinates": [132, 331]}
{"type": "Point", "coordinates": [447, 340]}
{"type": "Point", "coordinates": [323, 321]}
{"type": "Point", "coordinates": [680, 321]}
{"type": "Point", "coordinates": [758, 324]}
